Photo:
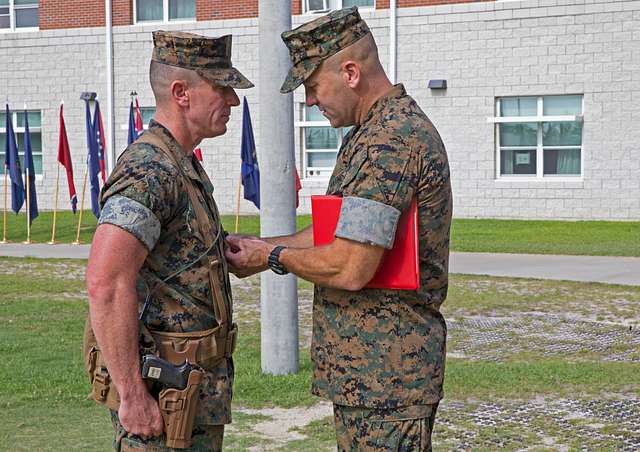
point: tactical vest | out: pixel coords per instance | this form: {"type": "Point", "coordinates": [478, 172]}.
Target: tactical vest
{"type": "Point", "coordinates": [205, 348]}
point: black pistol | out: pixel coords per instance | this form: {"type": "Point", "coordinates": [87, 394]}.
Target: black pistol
{"type": "Point", "coordinates": [169, 376]}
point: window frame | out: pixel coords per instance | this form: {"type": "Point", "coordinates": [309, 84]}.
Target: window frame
{"type": "Point", "coordinates": [539, 119]}
{"type": "Point", "coordinates": [338, 5]}
{"type": "Point", "coordinates": [165, 15]}
{"type": "Point", "coordinates": [12, 17]}
{"type": "Point", "coordinates": [300, 126]}
{"type": "Point", "coordinates": [145, 125]}
{"type": "Point", "coordinates": [21, 130]}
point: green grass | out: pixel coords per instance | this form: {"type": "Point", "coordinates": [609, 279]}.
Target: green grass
{"type": "Point", "coordinates": [66, 227]}
{"type": "Point", "coordinates": [593, 238]}
{"type": "Point", "coordinates": [526, 379]}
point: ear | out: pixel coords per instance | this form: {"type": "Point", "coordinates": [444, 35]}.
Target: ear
{"type": "Point", "coordinates": [180, 92]}
{"type": "Point", "coordinates": [350, 71]}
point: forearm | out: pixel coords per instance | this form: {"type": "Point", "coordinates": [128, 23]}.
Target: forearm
{"type": "Point", "coordinates": [114, 318]}
{"type": "Point", "coordinates": [326, 267]}
{"type": "Point", "coordinates": [301, 239]}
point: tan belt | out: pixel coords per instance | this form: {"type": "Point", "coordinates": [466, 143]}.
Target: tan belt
{"type": "Point", "coordinates": [205, 348]}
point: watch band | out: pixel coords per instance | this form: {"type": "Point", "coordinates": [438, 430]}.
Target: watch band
{"type": "Point", "coordinates": [274, 261]}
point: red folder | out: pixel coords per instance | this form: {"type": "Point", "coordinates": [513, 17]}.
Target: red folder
{"type": "Point", "coordinates": [399, 267]}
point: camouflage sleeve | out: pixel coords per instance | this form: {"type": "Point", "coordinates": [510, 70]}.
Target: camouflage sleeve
{"type": "Point", "coordinates": [381, 188]}
{"type": "Point", "coordinates": [133, 217]}
{"type": "Point", "coordinates": [356, 223]}
{"type": "Point", "coordinates": [142, 175]}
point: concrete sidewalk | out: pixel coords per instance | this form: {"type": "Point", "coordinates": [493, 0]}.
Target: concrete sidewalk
{"type": "Point", "coordinates": [613, 270]}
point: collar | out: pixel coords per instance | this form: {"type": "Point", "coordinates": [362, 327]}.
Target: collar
{"type": "Point", "coordinates": [395, 92]}
{"type": "Point", "coordinates": [187, 162]}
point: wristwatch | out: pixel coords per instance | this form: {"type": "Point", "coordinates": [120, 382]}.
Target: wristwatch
{"type": "Point", "coordinates": [274, 261]}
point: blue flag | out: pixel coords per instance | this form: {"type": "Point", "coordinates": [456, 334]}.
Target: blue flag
{"type": "Point", "coordinates": [249, 170]}
{"type": "Point", "coordinates": [93, 161]}
{"type": "Point", "coordinates": [12, 164]}
{"type": "Point", "coordinates": [29, 171]}
{"type": "Point", "coordinates": [133, 133]}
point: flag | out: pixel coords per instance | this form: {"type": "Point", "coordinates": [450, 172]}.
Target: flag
{"type": "Point", "coordinates": [298, 187]}
{"type": "Point", "coordinates": [132, 136]}
{"type": "Point", "coordinates": [198, 153]}
{"type": "Point", "coordinates": [12, 164]}
{"type": "Point", "coordinates": [135, 122]}
{"type": "Point", "coordinates": [93, 165]}
{"type": "Point", "coordinates": [64, 157]}
{"type": "Point", "coordinates": [29, 171]}
{"type": "Point", "coordinates": [138, 121]}
{"type": "Point", "coordinates": [249, 169]}
{"type": "Point", "coordinates": [98, 129]}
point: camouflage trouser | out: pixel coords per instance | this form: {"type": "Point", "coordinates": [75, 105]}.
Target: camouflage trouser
{"type": "Point", "coordinates": [205, 438]}
{"type": "Point", "coordinates": [402, 430]}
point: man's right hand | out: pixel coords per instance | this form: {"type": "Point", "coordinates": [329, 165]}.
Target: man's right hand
{"type": "Point", "coordinates": [140, 415]}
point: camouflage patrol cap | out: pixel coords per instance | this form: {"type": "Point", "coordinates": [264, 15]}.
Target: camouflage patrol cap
{"type": "Point", "coordinates": [312, 43]}
{"type": "Point", "coordinates": [209, 57]}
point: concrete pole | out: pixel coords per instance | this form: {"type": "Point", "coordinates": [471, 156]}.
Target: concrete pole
{"type": "Point", "coordinates": [393, 47]}
{"type": "Point", "coordinates": [278, 294]}
{"type": "Point", "coordinates": [110, 142]}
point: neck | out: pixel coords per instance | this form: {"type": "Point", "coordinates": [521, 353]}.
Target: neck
{"type": "Point", "coordinates": [177, 126]}
{"type": "Point", "coordinates": [374, 89]}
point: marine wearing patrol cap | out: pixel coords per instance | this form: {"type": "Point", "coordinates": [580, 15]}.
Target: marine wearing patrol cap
{"type": "Point", "coordinates": [312, 43]}
{"type": "Point", "coordinates": [209, 57]}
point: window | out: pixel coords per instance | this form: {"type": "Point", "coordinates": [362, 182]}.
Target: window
{"type": "Point", "coordinates": [16, 14]}
{"type": "Point", "coordinates": [323, 6]}
{"type": "Point", "coordinates": [35, 133]}
{"type": "Point", "coordinates": [319, 141]}
{"type": "Point", "coordinates": [147, 114]}
{"type": "Point", "coordinates": [539, 136]}
{"type": "Point", "coordinates": [165, 10]}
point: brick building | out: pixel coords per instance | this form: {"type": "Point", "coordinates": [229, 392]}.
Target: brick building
{"type": "Point", "coordinates": [539, 115]}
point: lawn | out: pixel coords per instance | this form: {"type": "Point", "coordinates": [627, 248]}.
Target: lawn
{"type": "Point", "coordinates": [44, 388]}
{"type": "Point", "coordinates": [591, 238]}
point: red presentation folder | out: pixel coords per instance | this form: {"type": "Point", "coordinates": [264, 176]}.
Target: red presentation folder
{"type": "Point", "coordinates": [399, 268]}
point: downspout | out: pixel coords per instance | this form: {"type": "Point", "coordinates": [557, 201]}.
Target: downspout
{"type": "Point", "coordinates": [110, 154]}
{"type": "Point", "coordinates": [393, 23]}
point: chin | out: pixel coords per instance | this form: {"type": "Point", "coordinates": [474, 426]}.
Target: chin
{"type": "Point", "coordinates": [335, 123]}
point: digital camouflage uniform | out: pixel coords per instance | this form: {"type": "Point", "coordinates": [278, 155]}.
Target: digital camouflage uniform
{"type": "Point", "coordinates": [379, 354]}
{"type": "Point", "coordinates": [146, 196]}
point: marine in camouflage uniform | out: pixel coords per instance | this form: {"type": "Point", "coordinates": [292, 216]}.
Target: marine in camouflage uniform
{"type": "Point", "coordinates": [378, 354]}
{"type": "Point", "coordinates": [146, 196]}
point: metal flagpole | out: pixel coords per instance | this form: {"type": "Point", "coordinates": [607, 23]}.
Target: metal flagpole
{"type": "Point", "coordinates": [4, 231]}
{"type": "Point", "coordinates": [84, 188]}
{"type": "Point", "coordinates": [55, 209]}
{"type": "Point", "coordinates": [28, 209]}
{"type": "Point", "coordinates": [278, 294]}
{"type": "Point", "coordinates": [238, 203]}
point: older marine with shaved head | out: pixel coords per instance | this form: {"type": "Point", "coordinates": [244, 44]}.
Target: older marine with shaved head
{"type": "Point", "coordinates": [157, 276]}
{"type": "Point", "coordinates": [378, 354]}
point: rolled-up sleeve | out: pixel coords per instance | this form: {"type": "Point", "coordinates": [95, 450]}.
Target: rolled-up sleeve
{"type": "Point", "coordinates": [367, 221]}
{"type": "Point", "coordinates": [133, 217]}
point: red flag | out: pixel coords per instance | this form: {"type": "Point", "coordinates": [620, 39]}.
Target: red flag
{"type": "Point", "coordinates": [198, 154]}
{"type": "Point", "coordinates": [101, 146]}
{"type": "Point", "coordinates": [138, 122]}
{"type": "Point", "coordinates": [298, 187]}
{"type": "Point", "coordinates": [64, 157]}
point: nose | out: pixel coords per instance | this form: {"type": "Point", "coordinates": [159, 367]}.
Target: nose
{"type": "Point", "coordinates": [310, 100]}
{"type": "Point", "coordinates": [232, 97]}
